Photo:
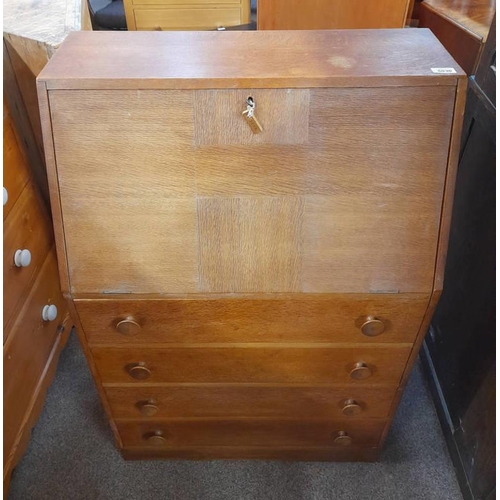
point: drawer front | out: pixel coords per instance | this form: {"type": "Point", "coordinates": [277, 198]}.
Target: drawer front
{"type": "Point", "coordinates": [257, 401]}
{"type": "Point", "coordinates": [177, 3]}
{"type": "Point", "coordinates": [28, 347]}
{"type": "Point", "coordinates": [186, 19]}
{"type": "Point", "coordinates": [327, 199]}
{"type": "Point", "coordinates": [307, 318]}
{"type": "Point", "coordinates": [183, 433]}
{"type": "Point", "coordinates": [26, 228]}
{"type": "Point", "coordinates": [263, 364]}
{"type": "Point", "coordinates": [15, 167]}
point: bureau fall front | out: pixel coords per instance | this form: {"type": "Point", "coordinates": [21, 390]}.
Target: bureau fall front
{"type": "Point", "coordinates": [251, 230]}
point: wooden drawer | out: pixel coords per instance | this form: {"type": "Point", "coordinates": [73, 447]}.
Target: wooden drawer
{"type": "Point", "coordinates": [305, 318]}
{"type": "Point", "coordinates": [15, 168]}
{"type": "Point", "coordinates": [27, 227]}
{"type": "Point", "coordinates": [184, 3]}
{"type": "Point", "coordinates": [250, 401]}
{"type": "Point", "coordinates": [192, 18]}
{"type": "Point", "coordinates": [252, 363]}
{"type": "Point", "coordinates": [264, 432]}
{"type": "Point", "coordinates": [28, 347]}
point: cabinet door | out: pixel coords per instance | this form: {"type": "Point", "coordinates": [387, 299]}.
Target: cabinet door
{"type": "Point", "coordinates": [172, 191]}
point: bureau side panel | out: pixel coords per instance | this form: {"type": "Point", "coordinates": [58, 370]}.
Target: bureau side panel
{"type": "Point", "coordinates": [52, 178]}
{"type": "Point", "coordinates": [444, 233]}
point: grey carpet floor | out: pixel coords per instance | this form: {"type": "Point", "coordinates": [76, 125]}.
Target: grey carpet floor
{"type": "Point", "coordinates": [71, 457]}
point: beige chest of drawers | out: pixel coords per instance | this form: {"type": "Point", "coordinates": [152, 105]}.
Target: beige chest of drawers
{"type": "Point", "coordinates": [242, 294]}
{"type": "Point", "coordinates": [185, 14]}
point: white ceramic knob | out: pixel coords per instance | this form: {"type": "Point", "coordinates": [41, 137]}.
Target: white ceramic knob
{"type": "Point", "coordinates": [22, 258]}
{"type": "Point", "coordinates": [5, 196]}
{"type": "Point", "coordinates": [49, 313]}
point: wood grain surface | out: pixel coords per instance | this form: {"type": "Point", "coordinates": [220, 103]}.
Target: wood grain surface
{"type": "Point", "coordinates": [249, 363]}
{"type": "Point", "coordinates": [474, 15]}
{"type": "Point", "coordinates": [52, 179]}
{"type": "Point", "coordinates": [162, 60]}
{"type": "Point", "coordinates": [190, 217]}
{"type": "Point", "coordinates": [187, 15]}
{"type": "Point", "coordinates": [16, 170]}
{"type": "Point", "coordinates": [284, 114]}
{"type": "Point", "coordinates": [328, 14]}
{"type": "Point", "coordinates": [451, 177]}
{"type": "Point", "coordinates": [250, 244]}
{"type": "Point", "coordinates": [28, 348]}
{"type": "Point", "coordinates": [27, 227]}
{"type": "Point", "coordinates": [93, 370]}
{"type": "Point", "coordinates": [245, 264]}
{"type": "Point", "coordinates": [187, 18]}
{"type": "Point", "coordinates": [26, 423]}
{"type": "Point", "coordinates": [463, 44]}
{"type": "Point", "coordinates": [247, 432]}
{"type": "Point", "coordinates": [249, 401]}
{"type": "Point", "coordinates": [288, 318]}
{"type": "Point", "coordinates": [22, 62]}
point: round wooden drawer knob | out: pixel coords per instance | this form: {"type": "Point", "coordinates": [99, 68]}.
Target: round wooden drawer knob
{"type": "Point", "coordinates": [372, 327]}
{"type": "Point", "coordinates": [5, 196]}
{"type": "Point", "coordinates": [351, 408]}
{"type": "Point", "coordinates": [156, 438]}
{"type": "Point", "coordinates": [22, 258]}
{"type": "Point", "coordinates": [360, 371]}
{"type": "Point", "coordinates": [128, 326]}
{"type": "Point", "coordinates": [343, 439]}
{"type": "Point", "coordinates": [139, 371]}
{"type": "Point", "coordinates": [49, 312]}
{"type": "Point", "coordinates": [148, 409]}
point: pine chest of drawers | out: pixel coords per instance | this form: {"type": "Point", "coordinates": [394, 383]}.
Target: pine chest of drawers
{"type": "Point", "coordinates": [251, 230]}
{"type": "Point", "coordinates": [35, 315]}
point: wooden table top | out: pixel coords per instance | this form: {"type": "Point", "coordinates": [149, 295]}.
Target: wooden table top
{"type": "Point", "coordinates": [270, 59]}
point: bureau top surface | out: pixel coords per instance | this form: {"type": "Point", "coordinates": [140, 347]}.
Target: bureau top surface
{"type": "Point", "coordinates": [250, 59]}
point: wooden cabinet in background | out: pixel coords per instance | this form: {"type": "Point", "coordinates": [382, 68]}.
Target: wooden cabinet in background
{"type": "Point", "coordinates": [36, 323]}
{"type": "Point", "coordinates": [461, 26]}
{"type": "Point", "coordinates": [331, 14]}
{"type": "Point", "coordinates": [251, 285]}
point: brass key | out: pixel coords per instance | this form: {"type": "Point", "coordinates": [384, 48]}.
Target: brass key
{"type": "Point", "coordinates": [250, 117]}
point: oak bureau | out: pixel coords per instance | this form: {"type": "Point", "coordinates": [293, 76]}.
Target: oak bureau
{"type": "Point", "coordinates": [251, 230]}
